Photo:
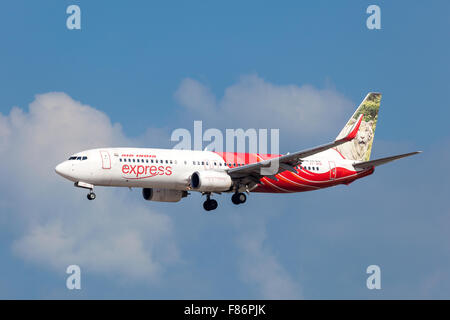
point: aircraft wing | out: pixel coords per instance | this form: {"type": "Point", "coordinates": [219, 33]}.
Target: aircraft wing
{"type": "Point", "coordinates": [271, 167]}
{"type": "Point", "coordinates": [378, 162]}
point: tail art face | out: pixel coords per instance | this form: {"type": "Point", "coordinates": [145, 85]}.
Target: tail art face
{"type": "Point", "coordinates": [359, 149]}
{"type": "Point", "coordinates": [168, 175]}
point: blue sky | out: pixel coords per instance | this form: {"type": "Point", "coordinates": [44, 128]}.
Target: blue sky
{"type": "Point", "coordinates": [135, 64]}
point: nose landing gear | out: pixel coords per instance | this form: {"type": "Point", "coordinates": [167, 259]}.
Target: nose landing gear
{"type": "Point", "coordinates": [91, 195]}
{"type": "Point", "coordinates": [84, 185]}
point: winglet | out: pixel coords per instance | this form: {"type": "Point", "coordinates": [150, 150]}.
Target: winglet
{"type": "Point", "coordinates": [354, 130]}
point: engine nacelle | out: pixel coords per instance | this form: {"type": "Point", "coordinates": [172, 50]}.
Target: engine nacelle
{"type": "Point", "coordinates": [211, 181]}
{"type": "Point", "coordinates": [163, 195]}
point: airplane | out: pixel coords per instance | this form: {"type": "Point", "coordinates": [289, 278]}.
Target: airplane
{"type": "Point", "coordinates": [168, 175]}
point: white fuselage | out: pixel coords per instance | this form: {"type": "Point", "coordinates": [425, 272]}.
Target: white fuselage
{"type": "Point", "coordinates": [168, 168]}
{"type": "Point", "coordinates": [139, 167]}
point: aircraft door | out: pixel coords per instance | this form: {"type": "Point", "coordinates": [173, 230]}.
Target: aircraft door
{"type": "Point", "coordinates": [106, 160]}
{"type": "Point", "coordinates": [332, 170]}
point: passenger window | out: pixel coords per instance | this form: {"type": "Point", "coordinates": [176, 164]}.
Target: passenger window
{"type": "Point", "coordinates": [78, 158]}
{"type": "Point", "coordinates": [134, 160]}
{"type": "Point", "coordinates": [203, 163]}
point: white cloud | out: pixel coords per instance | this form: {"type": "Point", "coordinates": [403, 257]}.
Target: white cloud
{"type": "Point", "coordinates": [196, 97]}
{"type": "Point", "coordinates": [259, 266]}
{"type": "Point", "coordinates": [253, 102]}
{"type": "Point", "coordinates": [54, 223]}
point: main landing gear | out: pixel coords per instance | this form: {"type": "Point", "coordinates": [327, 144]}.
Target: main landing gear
{"type": "Point", "coordinates": [238, 198]}
{"type": "Point", "coordinates": [209, 204]}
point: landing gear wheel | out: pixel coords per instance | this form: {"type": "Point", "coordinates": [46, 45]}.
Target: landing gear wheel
{"type": "Point", "coordinates": [210, 204]}
{"type": "Point", "coordinates": [213, 204]}
{"type": "Point", "coordinates": [91, 196]}
{"type": "Point", "coordinates": [239, 198]}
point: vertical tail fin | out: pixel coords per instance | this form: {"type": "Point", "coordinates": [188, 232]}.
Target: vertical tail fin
{"type": "Point", "coordinates": [359, 148]}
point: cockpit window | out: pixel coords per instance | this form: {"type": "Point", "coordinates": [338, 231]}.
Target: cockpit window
{"type": "Point", "coordinates": [78, 158]}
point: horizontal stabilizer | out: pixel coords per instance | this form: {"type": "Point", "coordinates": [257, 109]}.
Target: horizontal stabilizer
{"type": "Point", "coordinates": [378, 162]}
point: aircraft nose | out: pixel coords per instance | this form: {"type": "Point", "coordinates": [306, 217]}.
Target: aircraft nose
{"type": "Point", "coordinates": [62, 169]}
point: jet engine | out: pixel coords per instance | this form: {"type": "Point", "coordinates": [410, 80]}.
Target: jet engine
{"type": "Point", "coordinates": [163, 195]}
{"type": "Point", "coordinates": [211, 181]}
